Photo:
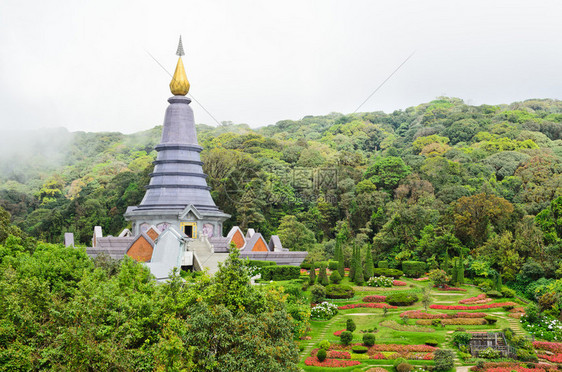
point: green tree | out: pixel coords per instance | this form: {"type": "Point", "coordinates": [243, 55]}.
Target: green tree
{"type": "Point", "coordinates": [369, 265]}
{"type": "Point", "coordinates": [312, 274]}
{"type": "Point", "coordinates": [386, 172]}
{"type": "Point", "coordinates": [322, 276]}
{"type": "Point", "coordinates": [295, 235]}
{"type": "Point", "coordinates": [358, 277]}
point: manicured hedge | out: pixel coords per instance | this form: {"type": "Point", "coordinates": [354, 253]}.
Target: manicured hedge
{"type": "Point", "coordinates": [383, 264]}
{"type": "Point", "coordinates": [333, 265]}
{"type": "Point", "coordinates": [413, 269]}
{"type": "Point", "coordinates": [282, 272]}
{"type": "Point", "coordinates": [339, 291]}
{"type": "Point", "coordinates": [257, 263]}
{"type": "Point", "coordinates": [395, 273]}
{"type": "Point", "coordinates": [401, 299]}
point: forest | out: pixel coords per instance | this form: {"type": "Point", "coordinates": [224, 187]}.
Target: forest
{"type": "Point", "coordinates": [443, 183]}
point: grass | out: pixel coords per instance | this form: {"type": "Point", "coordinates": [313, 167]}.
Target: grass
{"type": "Point", "coordinates": [368, 318]}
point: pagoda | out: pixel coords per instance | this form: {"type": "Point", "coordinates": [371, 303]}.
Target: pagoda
{"type": "Point", "coordinates": [177, 195]}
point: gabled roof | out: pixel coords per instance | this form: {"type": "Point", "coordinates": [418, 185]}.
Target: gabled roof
{"type": "Point", "coordinates": [231, 234]}
{"type": "Point", "coordinates": [125, 233]}
{"type": "Point", "coordinates": [275, 244]}
{"type": "Point", "coordinates": [134, 240]}
{"type": "Point", "coordinates": [190, 208]}
{"type": "Point", "coordinates": [250, 243]}
{"type": "Point", "coordinates": [114, 247]}
{"type": "Point", "coordinates": [250, 233]}
{"type": "Point", "coordinates": [220, 244]}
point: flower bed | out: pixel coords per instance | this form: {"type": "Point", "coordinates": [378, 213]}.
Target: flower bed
{"type": "Point", "coordinates": [380, 281]}
{"type": "Point", "coordinates": [418, 314]}
{"type": "Point", "coordinates": [457, 321]}
{"type": "Point", "coordinates": [556, 358]}
{"type": "Point", "coordinates": [339, 354]}
{"type": "Point", "coordinates": [480, 299]}
{"type": "Point", "coordinates": [338, 333]}
{"type": "Point", "coordinates": [445, 287]}
{"type": "Point", "coordinates": [369, 305]}
{"type": "Point", "coordinates": [474, 307]}
{"type": "Point", "coordinates": [405, 327]}
{"type": "Point", "coordinates": [396, 348]}
{"type": "Point", "coordinates": [374, 298]}
{"type": "Point", "coordinates": [424, 279]}
{"type": "Point", "coordinates": [325, 310]}
{"type": "Point", "coordinates": [399, 283]}
{"type": "Point", "coordinates": [555, 347]}
{"type": "Point", "coordinates": [516, 369]}
{"type": "Point", "coordinates": [328, 362]}
{"type": "Point", "coordinates": [511, 366]}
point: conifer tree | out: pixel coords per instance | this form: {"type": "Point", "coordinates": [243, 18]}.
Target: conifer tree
{"type": "Point", "coordinates": [460, 269]}
{"type": "Point", "coordinates": [369, 265]}
{"type": "Point", "coordinates": [312, 275]}
{"type": "Point", "coordinates": [322, 276]}
{"type": "Point", "coordinates": [499, 283]}
{"type": "Point", "coordinates": [339, 257]}
{"type": "Point", "coordinates": [358, 279]}
{"type": "Point", "coordinates": [454, 270]}
{"type": "Point", "coordinates": [352, 265]}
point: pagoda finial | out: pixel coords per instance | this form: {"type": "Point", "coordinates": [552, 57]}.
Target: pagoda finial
{"type": "Point", "coordinates": [179, 84]}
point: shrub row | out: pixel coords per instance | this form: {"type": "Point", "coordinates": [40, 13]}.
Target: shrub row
{"type": "Point", "coordinates": [401, 299]}
{"type": "Point", "coordinates": [335, 291]}
{"type": "Point", "coordinates": [475, 307]}
{"type": "Point", "coordinates": [418, 314]}
{"type": "Point", "coordinates": [457, 321]}
{"type": "Point", "coordinates": [445, 287]}
{"type": "Point", "coordinates": [282, 272]}
{"type": "Point", "coordinates": [413, 269]}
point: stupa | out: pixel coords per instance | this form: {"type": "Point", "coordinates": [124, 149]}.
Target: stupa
{"type": "Point", "coordinates": [177, 195]}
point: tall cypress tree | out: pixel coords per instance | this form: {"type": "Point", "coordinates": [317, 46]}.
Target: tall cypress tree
{"type": "Point", "coordinates": [312, 275]}
{"type": "Point", "coordinates": [369, 265]}
{"type": "Point", "coordinates": [339, 257]}
{"type": "Point", "coordinates": [352, 266]}
{"type": "Point", "coordinates": [460, 270]}
{"type": "Point", "coordinates": [358, 279]}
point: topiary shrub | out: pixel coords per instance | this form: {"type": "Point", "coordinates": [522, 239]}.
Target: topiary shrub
{"type": "Point", "coordinates": [508, 292]}
{"type": "Point", "coordinates": [359, 349]}
{"type": "Point", "coordinates": [350, 325]}
{"type": "Point", "coordinates": [333, 265]}
{"type": "Point", "coordinates": [494, 294]}
{"type": "Point", "coordinates": [321, 355]}
{"type": "Point", "coordinates": [339, 291]}
{"type": "Point", "coordinates": [443, 359]}
{"type": "Point", "coordinates": [346, 337]}
{"type": "Point", "coordinates": [335, 278]}
{"type": "Point", "coordinates": [398, 361]}
{"type": "Point", "coordinates": [401, 299]}
{"type": "Point", "coordinates": [490, 319]}
{"type": "Point", "coordinates": [436, 322]}
{"type": "Point", "coordinates": [317, 293]}
{"type": "Point", "coordinates": [395, 273]}
{"type": "Point", "coordinates": [383, 264]}
{"type": "Point", "coordinates": [324, 344]}
{"type": "Point", "coordinates": [404, 367]}
{"type": "Point", "coordinates": [432, 342]}
{"type": "Point", "coordinates": [369, 339]}
{"type": "Point", "coordinates": [413, 269]}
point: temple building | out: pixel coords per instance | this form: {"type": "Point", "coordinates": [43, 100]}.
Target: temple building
{"type": "Point", "coordinates": [177, 223]}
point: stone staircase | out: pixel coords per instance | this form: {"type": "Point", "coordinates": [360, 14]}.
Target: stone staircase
{"type": "Point", "coordinates": [204, 257]}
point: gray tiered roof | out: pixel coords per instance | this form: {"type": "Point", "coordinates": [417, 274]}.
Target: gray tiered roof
{"type": "Point", "coordinates": [178, 179]}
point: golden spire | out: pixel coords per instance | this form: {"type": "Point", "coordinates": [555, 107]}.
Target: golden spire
{"type": "Point", "coordinates": [179, 84]}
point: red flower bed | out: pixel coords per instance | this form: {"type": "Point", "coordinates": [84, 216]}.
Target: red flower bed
{"type": "Point", "coordinates": [418, 314]}
{"type": "Point", "coordinates": [481, 298]}
{"type": "Point", "coordinates": [377, 356]}
{"type": "Point", "coordinates": [511, 369]}
{"type": "Point", "coordinates": [555, 347]}
{"type": "Point", "coordinates": [428, 356]}
{"type": "Point", "coordinates": [338, 333]}
{"type": "Point", "coordinates": [511, 366]}
{"type": "Point", "coordinates": [399, 283]}
{"type": "Point", "coordinates": [447, 288]}
{"type": "Point", "coordinates": [557, 358]}
{"type": "Point", "coordinates": [374, 298]}
{"type": "Point", "coordinates": [371, 305]}
{"type": "Point", "coordinates": [339, 354]}
{"type": "Point", "coordinates": [313, 361]}
{"type": "Point", "coordinates": [425, 278]}
{"type": "Point", "coordinates": [402, 348]}
{"type": "Point", "coordinates": [475, 307]}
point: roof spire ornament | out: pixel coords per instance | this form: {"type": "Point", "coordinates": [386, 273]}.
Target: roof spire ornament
{"type": "Point", "coordinates": [179, 86]}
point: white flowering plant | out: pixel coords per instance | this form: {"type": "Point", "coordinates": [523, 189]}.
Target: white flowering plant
{"type": "Point", "coordinates": [324, 310]}
{"type": "Point", "coordinates": [547, 328]}
{"type": "Point", "coordinates": [380, 281]}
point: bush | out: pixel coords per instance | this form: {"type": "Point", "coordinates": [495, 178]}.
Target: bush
{"type": "Point", "coordinates": [335, 278]}
{"type": "Point", "coordinates": [444, 359]}
{"type": "Point", "coordinates": [395, 273]}
{"type": "Point", "coordinates": [494, 294]}
{"type": "Point", "coordinates": [369, 339]}
{"type": "Point", "coordinates": [413, 269]}
{"type": "Point", "coordinates": [323, 276]}
{"type": "Point", "coordinates": [508, 292]}
{"type": "Point", "coordinates": [325, 310]}
{"type": "Point", "coordinates": [436, 322]}
{"type": "Point", "coordinates": [527, 356]}
{"type": "Point", "coordinates": [359, 349]}
{"type": "Point", "coordinates": [379, 281]}
{"type": "Point", "coordinates": [489, 353]}
{"type": "Point", "coordinates": [333, 265]}
{"type": "Point", "coordinates": [461, 338]}
{"type": "Point", "coordinates": [306, 265]}
{"type": "Point", "coordinates": [404, 367]}
{"type": "Point", "coordinates": [258, 263]}
{"type": "Point", "coordinates": [318, 293]}
{"type": "Point", "coordinates": [401, 299]}
{"type": "Point", "coordinates": [346, 337]}
{"type": "Point", "coordinates": [432, 342]}
{"type": "Point", "coordinates": [350, 325]}
{"type": "Point", "coordinates": [324, 344]}
{"type": "Point", "coordinates": [321, 355]}
{"type": "Point", "coordinates": [398, 361]}
{"type": "Point", "coordinates": [339, 291]}
{"type": "Point", "coordinates": [383, 264]}
{"type": "Point", "coordinates": [491, 319]}
{"type": "Point", "coordinates": [283, 272]}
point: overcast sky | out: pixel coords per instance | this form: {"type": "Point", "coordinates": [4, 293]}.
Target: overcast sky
{"type": "Point", "coordinates": [84, 65]}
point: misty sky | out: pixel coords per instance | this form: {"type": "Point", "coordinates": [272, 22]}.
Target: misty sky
{"type": "Point", "coordinates": [84, 65]}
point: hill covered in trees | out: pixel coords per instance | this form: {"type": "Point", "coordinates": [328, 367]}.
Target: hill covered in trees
{"type": "Point", "coordinates": [424, 183]}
